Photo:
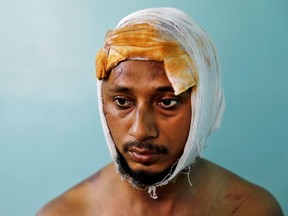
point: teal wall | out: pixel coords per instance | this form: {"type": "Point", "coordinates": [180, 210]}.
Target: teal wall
{"type": "Point", "coordinates": [50, 134]}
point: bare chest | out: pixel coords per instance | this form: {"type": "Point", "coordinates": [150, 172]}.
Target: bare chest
{"type": "Point", "coordinates": [213, 206]}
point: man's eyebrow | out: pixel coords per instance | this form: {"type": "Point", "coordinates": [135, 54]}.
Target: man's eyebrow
{"type": "Point", "coordinates": [165, 89]}
{"type": "Point", "coordinates": [120, 89]}
{"type": "Point", "coordinates": [124, 89]}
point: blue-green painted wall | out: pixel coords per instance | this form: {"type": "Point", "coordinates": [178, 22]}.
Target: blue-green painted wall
{"type": "Point", "coordinates": [50, 134]}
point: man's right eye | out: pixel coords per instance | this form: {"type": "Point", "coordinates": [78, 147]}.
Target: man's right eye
{"type": "Point", "coordinates": [123, 102]}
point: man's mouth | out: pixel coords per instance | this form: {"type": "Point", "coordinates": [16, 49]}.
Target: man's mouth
{"type": "Point", "coordinates": [144, 156]}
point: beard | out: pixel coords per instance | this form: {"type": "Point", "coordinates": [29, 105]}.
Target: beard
{"type": "Point", "coordinates": [141, 178]}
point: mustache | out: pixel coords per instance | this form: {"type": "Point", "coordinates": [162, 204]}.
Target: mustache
{"type": "Point", "coordinates": [143, 145]}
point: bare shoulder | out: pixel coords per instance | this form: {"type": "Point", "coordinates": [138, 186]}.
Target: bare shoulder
{"type": "Point", "coordinates": [82, 199]}
{"type": "Point", "coordinates": [241, 196]}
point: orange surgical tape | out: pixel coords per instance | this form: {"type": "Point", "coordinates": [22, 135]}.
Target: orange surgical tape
{"type": "Point", "coordinates": [144, 41]}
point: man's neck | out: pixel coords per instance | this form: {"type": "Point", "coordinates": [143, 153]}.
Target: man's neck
{"type": "Point", "coordinates": [168, 195]}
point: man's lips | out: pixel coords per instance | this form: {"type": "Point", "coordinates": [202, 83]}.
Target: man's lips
{"type": "Point", "coordinates": [144, 156]}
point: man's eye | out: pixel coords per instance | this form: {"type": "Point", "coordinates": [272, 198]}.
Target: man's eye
{"type": "Point", "coordinates": [122, 102]}
{"type": "Point", "coordinates": [168, 103]}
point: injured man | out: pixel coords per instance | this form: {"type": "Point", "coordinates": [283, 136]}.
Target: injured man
{"type": "Point", "coordinates": [160, 97]}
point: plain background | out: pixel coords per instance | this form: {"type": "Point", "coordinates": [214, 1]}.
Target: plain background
{"type": "Point", "coordinates": [50, 133]}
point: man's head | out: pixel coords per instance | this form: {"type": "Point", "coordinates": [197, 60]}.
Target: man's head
{"type": "Point", "coordinates": [159, 132]}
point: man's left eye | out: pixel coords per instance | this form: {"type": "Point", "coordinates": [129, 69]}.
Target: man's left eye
{"type": "Point", "coordinates": [168, 103]}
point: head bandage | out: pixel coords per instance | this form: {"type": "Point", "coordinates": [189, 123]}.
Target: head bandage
{"type": "Point", "coordinates": [190, 59]}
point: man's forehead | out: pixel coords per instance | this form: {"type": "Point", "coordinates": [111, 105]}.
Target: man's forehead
{"type": "Point", "coordinates": [131, 74]}
{"type": "Point", "coordinates": [148, 69]}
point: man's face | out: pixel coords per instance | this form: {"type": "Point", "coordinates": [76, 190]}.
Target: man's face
{"type": "Point", "coordinates": [148, 123]}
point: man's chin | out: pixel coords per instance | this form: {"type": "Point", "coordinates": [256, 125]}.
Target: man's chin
{"type": "Point", "coordinates": [140, 177]}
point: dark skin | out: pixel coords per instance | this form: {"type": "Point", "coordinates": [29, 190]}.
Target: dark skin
{"type": "Point", "coordinates": [215, 191]}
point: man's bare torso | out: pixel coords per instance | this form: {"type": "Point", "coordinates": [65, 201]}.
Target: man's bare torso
{"type": "Point", "coordinates": [214, 191]}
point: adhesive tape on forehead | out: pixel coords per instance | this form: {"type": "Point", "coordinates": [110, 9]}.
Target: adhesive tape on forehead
{"type": "Point", "coordinates": [144, 41]}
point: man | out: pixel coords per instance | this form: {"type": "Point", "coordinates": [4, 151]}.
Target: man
{"type": "Point", "coordinates": [160, 96]}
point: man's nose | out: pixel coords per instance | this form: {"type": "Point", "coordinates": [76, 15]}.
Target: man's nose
{"type": "Point", "coordinates": [144, 124]}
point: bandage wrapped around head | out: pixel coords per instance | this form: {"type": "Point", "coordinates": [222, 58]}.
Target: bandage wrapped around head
{"type": "Point", "coordinates": [190, 60]}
